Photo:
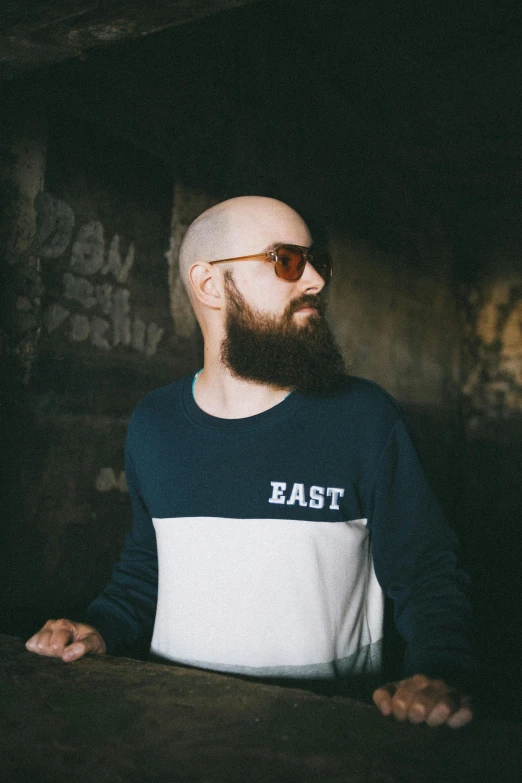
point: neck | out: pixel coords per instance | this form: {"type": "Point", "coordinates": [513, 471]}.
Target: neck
{"type": "Point", "coordinates": [222, 394]}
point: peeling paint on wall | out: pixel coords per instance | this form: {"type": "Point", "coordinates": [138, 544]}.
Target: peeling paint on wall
{"type": "Point", "coordinates": [493, 351]}
{"type": "Point", "coordinates": [83, 286]}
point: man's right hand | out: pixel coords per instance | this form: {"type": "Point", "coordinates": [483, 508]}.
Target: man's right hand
{"type": "Point", "coordinates": [67, 640]}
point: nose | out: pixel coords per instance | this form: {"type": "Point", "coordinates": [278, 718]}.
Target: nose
{"type": "Point", "coordinates": [311, 281]}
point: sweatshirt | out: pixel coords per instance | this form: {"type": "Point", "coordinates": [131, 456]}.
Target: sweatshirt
{"type": "Point", "coordinates": [265, 545]}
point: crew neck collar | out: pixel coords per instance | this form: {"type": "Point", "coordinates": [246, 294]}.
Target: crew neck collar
{"type": "Point", "coordinates": [192, 409]}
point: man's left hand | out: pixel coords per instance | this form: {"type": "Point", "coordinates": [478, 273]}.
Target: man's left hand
{"type": "Point", "coordinates": [420, 699]}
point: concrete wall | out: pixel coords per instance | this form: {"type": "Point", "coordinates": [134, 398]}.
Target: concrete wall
{"type": "Point", "coordinates": [94, 317]}
{"type": "Point", "coordinates": [87, 232]}
{"type": "Point", "coordinates": [23, 139]}
{"type": "Point", "coordinates": [113, 322]}
{"type": "Point", "coordinates": [395, 313]}
{"type": "Point", "coordinates": [23, 142]}
{"type": "Point", "coordinates": [491, 467]}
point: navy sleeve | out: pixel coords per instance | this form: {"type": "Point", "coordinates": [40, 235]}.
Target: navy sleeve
{"type": "Point", "coordinates": [125, 610]}
{"type": "Point", "coordinates": [415, 556]}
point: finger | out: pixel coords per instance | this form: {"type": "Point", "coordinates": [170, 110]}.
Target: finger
{"type": "Point", "coordinates": [32, 643]}
{"type": "Point", "coordinates": [406, 691]}
{"type": "Point", "coordinates": [461, 718]}
{"type": "Point", "coordinates": [44, 642]}
{"type": "Point", "coordinates": [446, 706]}
{"type": "Point", "coordinates": [91, 643]}
{"type": "Point", "coordinates": [74, 651]}
{"type": "Point", "coordinates": [382, 697]}
{"type": "Point", "coordinates": [39, 643]}
{"type": "Point", "coordinates": [60, 638]}
{"type": "Point", "coordinates": [436, 695]}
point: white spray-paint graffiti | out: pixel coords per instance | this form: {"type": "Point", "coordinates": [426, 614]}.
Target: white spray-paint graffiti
{"type": "Point", "coordinates": [108, 479]}
{"type": "Point", "coordinates": [108, 320]}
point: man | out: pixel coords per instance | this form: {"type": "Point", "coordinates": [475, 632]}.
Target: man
{"type": "Point", "coordinates": [276, 498]}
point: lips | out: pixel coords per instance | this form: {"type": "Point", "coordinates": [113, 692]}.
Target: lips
{"type": "Point", "coordinates": [307, 303]}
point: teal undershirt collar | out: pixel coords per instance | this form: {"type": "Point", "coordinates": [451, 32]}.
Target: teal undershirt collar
{"type": "Point", "coordinates": [198, 372]}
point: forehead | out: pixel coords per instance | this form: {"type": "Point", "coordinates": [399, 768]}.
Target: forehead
{"type": "Point", "coordinates": [253, 233]}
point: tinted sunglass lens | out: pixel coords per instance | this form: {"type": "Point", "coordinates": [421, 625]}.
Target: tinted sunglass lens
{"type": "Point", "coordinates": [290, 263]}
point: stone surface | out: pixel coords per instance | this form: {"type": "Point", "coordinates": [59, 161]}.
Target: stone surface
{"type": "Point", "coordinates": [115, 719]}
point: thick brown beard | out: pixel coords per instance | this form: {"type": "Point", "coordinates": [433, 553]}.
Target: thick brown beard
{"type": "Point", "coordinates": [279, 352]}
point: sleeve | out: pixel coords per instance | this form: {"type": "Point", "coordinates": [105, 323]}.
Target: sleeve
{"type": "Point", "coordinates": [415, 556]}
{"type": "Point", "coordinates": [125, 610]}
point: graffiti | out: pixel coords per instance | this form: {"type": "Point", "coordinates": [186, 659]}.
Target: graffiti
{"type": "Point", "coordinates": [80, 289]}
{"type": "Point", "coordinates": [79, 327]}
{"type": "Point", "coordinates": [121, 332]}
{"type": "Point", "coordinates": [109, 322]}
{"type": "Point", "coordinates": [114, 264]}
{"type": "Point", "coordinates": [88, 249]}
{"type": "Point", "coordinates": [54, 225]}
{"type": "Point", "coordinates": [108, 479]}
{"type": "Point", "coordinates": [98, 331]}
{"type": "Point", "coordinates": [54, 316]}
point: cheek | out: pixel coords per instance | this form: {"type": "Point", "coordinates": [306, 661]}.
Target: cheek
{"type": "Point", "coordinates": [271, 305]}
{"type": "Point", "coordinates": [266, 292]}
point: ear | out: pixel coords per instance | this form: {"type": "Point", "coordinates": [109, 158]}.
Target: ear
{"type": "Point", "coordinates": [206, 284]}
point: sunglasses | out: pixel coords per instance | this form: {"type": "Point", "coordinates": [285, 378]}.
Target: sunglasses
{"type": "Point", "coordinates": [290, 261]}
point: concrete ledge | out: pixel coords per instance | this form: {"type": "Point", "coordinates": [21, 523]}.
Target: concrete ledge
{"type": "Point", "coordinates": [116, 719]}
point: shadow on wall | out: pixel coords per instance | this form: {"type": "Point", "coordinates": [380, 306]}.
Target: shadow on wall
{"type": "Point", "coordinates": [97, 336]}
{"type": "Point", "coordinates": [491, 471]}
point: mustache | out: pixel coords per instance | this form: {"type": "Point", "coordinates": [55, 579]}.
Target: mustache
{"type": "Point", "coordinates": [307, 300]}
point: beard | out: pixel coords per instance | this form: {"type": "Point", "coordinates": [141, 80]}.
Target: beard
{"type": "Point", "coordinates": [277, 351]}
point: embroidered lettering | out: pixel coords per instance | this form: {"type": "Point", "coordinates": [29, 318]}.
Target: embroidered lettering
{"type": "Point", "coordinates": [316, 497]}
{"type": "Point", "coordinates": [335, 493]}
{"type": "Point", "coordinates": [278, 492]}
{"type": "Point", "coordinates": [298, 493]}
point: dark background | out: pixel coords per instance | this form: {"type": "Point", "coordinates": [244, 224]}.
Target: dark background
{"type": "Point", "coordinates": [393, 127]}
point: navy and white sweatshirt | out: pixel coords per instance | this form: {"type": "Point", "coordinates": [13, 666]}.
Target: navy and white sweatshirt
{"type": "Point", "coordinates": [263, 545]}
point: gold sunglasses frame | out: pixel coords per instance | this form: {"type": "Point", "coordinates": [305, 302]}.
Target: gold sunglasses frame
{"type": "Point", "coordinates": [271, 255]}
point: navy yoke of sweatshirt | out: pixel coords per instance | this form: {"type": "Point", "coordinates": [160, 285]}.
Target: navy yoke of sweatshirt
{"type": "Point", "coordinates": [263, 545]}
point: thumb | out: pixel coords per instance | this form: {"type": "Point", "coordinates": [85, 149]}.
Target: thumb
{"type": "Point", "coordinates": [88, 643]}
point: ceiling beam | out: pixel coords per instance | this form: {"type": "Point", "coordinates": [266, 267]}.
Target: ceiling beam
{"type": "Point", "coordinates": [34, 34]}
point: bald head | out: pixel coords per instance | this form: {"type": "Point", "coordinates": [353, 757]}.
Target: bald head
{"type": "Point", "coordinates": [238, 227]}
